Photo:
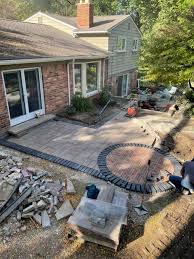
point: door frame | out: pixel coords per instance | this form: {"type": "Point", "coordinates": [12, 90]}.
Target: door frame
{"type": "Point", "coordinates": [127, 82]}
{"type": "Point", "coordinates": [28, 115]}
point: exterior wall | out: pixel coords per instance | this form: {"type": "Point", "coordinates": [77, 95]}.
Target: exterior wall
{"type": "Point", "coordinates": [55, 87]}
{"type": "Point", "coordinates": [98, 41]}
{"type": "Point", "coordinates": [127, 60]}
{"type": "Point", "coordinates": [55, 81]}
{"type": "Point", "coordinates": [4, 117]}
{"type": "Point", "coordinates": [49, 21]}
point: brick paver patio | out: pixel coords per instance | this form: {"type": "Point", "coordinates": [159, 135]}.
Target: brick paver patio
{"type": "Point", "coordinates": [81, 144]}
{"type": "Point", "coordinates": [131, 163]}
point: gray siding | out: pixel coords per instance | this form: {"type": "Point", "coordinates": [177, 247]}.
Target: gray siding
{"type": "Point", "coordinates": [120, 62]}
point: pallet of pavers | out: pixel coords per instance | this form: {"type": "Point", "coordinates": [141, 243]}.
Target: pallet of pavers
{"type": "Point", "coordinates": [100, 221]}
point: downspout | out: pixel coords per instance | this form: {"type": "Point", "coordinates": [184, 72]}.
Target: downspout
{"type": "Point", "coordinates": [69, 81]}
{"type": "Point", "coordinates": [69, 85]}
{"type": "Point", "coordinates": [73, 75]}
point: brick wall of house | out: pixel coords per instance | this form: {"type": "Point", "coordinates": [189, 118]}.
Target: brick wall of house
{"type": "Point", "coordinates": [55, 81]}
{"type": "Point", "coordinates": [4, 117]}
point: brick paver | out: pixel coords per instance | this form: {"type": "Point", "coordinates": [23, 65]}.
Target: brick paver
{"type": "Point", "coordinates": [130, 163]}
{"type": "Point", "coordinates": [81, 144]}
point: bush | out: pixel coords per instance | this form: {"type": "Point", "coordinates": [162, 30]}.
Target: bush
{"type": "Point", "coordinates": [82, 104]}
{"type": "Point", "coordinates": [71, 110]}
{"type": "Point", "coordinates": [104, 96]}
{"type": "Point", "coordinates": [190, 95]}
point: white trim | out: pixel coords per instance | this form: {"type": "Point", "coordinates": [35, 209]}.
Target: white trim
{"type": "Point", "coordinates": [50, 17]}
{"type": "Point", "coordinates": [89, 32]}
{"type": "Point", "coordinates": [46, 60]}
{"type": "Point", "coordinates": [28, 115]}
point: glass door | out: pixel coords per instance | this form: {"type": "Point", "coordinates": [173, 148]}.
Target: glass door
{"type": "Point", "coordinates": [24, 95]}
{"type": "Point", "coordinates": [33, 90]}
{"type": "Point", "coordinates": [15, 94]}
{"type": "Point", "coordinates": [122, 89]}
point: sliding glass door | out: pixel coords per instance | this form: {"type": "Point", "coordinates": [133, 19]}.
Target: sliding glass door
{"type": "Point", "coordinates": [24, 94]}
{"type": "Point", "coordinates": [122, 89]}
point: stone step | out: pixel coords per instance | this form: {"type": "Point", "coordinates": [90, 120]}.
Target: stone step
{"type": "Point", "coordinates": [23, 128]}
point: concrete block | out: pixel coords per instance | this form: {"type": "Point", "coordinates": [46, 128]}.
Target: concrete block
{"type": "Point", "coordinates": [37, 217]}
{"type": "Point", "coordinates": [70, 188]}
{"type": "Point", "coordinates": [64, 211]}
{"type": "Point", "coordinates": [45, 219]}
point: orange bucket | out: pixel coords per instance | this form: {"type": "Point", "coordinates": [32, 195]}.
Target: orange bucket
{"type": "Point", "coordinates": [131, 112]}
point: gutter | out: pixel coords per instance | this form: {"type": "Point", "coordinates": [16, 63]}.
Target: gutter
{"type": "Point", "coordinates": [90, 32]}
{"type": "Point", "coordinates": [47, 60]}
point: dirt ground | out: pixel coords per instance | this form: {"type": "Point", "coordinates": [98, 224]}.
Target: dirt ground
{"type": "Point", "coordinates": [156, 235]}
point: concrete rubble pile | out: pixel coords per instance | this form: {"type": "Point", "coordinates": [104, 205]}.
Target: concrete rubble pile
{"type": "Point", "coordinates": [30, 194]}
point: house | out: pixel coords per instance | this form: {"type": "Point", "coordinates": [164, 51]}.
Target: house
{"type": "Point", "coordinates": [45, 60]}
{"type": "Point", "coordinates": [116, 34]}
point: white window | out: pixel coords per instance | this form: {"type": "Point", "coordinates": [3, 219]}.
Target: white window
{"type": "Point", "coordinates": [135, 45]}
{"type": "Point", "coordinates": [92, 77]}
{"type": "Point", "coordinates": [121, 43]}
{"type": "Point", "coordinates": [87, 78]}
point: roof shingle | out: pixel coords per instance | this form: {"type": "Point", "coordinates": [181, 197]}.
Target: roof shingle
{"type": "Point", "coordinates": [20, 40]}
{"type": "Point", "coordinates": [101, 23]}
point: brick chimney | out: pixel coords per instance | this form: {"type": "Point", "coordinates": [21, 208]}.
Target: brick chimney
{"type": "Point", "coordinates": [85, 14]}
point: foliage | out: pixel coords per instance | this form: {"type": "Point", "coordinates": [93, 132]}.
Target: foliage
{"type": "Point", "coordinates": [82, 104]}
{"type": "Point", "coordinates": [168, 48]}
{"type": "Point", "coordinates": [71, 110]}
{"type": "Point", "coordinates": [190, 95]}
{"type": "Point", "coordinates": [104, 96]}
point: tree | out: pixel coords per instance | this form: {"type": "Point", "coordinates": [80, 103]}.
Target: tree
{"type": "Point", "coordinates": [168, 50]}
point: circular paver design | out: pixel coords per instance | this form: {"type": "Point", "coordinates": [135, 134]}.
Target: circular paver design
{"type": "Point", "coordinates": [126, 165]}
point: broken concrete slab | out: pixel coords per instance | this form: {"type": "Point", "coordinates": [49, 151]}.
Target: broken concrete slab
{"type": "Point", "coordinates": [70, 187]}
{"type": "Point", "coordinates": [30, 208]}
{"type": "Point", "coordinates": [37, 217]}
{"type": "Point", "coordinates": [54, 187]}
{"type": "Point", "coordinates": [45, 219]}
{"type": "Point", "coordinates": [64, 211]}
{"type": "Point", "coordinates": [27, 215]}
{"type": "Point", "coordinates": [5, 190]}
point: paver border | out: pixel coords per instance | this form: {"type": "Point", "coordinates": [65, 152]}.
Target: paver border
{"type": "Point", "coordinates": [51, 158]}
{"type": "Point", "coordinates": [104, 173]}
{"type": "Point", "coordinates": [150, 187]}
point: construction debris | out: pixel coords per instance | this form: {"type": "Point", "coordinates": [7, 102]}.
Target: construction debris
{"type": "Point", "coordinates": [64, 211]}
{"type": "Point", "coordinates": [70, 187]}
{"type": "Point", "coordinates": [29, 193]}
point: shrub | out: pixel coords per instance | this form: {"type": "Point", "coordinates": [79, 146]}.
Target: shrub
{"type": "Point", "coordinates": [71, 110]}
{"type": "Point", "coordinates": [104, 96]}
{"type": "Point", "coordinates": [82, 104]}
{"type": "Point", "coordinates": [190, 95]}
